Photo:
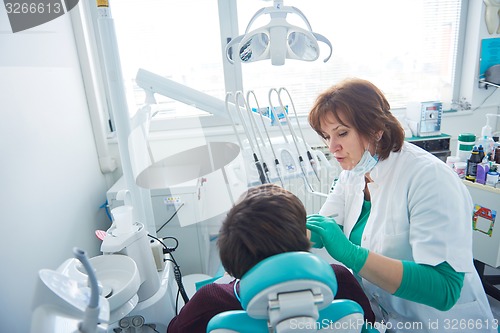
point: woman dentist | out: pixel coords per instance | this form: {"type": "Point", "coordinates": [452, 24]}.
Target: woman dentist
{"type": "Point", "coordinates": [403, 218]}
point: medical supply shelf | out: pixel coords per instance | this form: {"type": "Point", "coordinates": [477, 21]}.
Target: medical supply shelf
{"type": "Point", "coordinates": [437, 145]}
{"type": "Point", "coordinates": [486, 233]}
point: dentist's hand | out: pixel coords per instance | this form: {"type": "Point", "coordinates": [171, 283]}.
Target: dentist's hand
{"type": "Point", "coordinates": [315, 239]}
{"type": "Point", "coordinates": [335, 242]}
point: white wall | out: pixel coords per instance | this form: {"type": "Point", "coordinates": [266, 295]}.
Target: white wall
{"type": "Point", "coordinates": [50, 183]}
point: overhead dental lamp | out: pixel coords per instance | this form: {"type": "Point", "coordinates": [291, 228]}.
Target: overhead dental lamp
{"type": "Point", "coordinates": [278, 40]}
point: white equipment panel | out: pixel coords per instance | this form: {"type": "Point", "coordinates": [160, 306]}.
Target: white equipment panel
{"type": "Point", "coordinates": [486, 224]}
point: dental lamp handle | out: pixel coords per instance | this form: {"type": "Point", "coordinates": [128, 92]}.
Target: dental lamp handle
{"type": "Point", "coordinates": [277, 48]}
{"type": "Point", "coordinates": [325, 40]}
{"type": "Point", "coordinates": [278, 10]}
{"type": "Point", "coordinates": [234, 42]}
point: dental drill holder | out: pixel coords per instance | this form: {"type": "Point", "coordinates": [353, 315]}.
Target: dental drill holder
{"type": "Point", "coordinates": [130, 238]}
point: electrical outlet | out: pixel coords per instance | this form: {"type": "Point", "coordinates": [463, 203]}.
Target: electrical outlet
{"type": "Point", "coordinates": [158, 256]}
{"type": "Point", "coordinates": [172, 201]}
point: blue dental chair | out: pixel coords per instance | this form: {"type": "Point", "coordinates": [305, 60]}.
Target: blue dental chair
{"type": "Point", "coordinates": [290, 292]}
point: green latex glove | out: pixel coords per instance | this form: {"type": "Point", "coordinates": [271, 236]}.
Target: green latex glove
{"type": "Point", "coordinates": [316, 240]}
{"type": "Point", "coordinates": [336, 243]}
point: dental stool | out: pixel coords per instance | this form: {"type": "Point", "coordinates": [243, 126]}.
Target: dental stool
{"type": "Point", "coordinates": [290, 292]}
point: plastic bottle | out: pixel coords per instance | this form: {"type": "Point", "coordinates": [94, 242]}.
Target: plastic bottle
{"type": "Point", "coordinates": [481, 152]}
{"type": "Point", "coordinates": [487, 143]}
{"type": "Point", "coordinates": [492, 177]}
{"type": "Point", "coordinates": [465, 144]}
{"type": "Point", "coordinates": [472, 162]}
{"type": "Point", "coordinates": [481, 172]}
{"type": "Point", "coordinates": [451, 160]}
{"type": "Point", "coordinates": [460, 168]}
{"type": "Point", "coordinates": [486, 139]}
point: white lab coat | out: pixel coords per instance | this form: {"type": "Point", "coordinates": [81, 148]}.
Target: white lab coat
{"type": "Point", "coordinates": [422, 212]}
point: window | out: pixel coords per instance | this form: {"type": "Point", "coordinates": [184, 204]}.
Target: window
{"type": "Point", "coordinates": [408, 48]}
{"type": "Point", "coordinates": [179, 40]}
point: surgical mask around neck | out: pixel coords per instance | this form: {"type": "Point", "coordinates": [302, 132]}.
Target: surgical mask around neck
{"type": "Point", "coordinates": [366, 164]}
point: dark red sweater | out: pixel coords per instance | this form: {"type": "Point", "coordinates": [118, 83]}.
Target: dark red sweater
{"type": "Point", "coordinates": [215, 298]}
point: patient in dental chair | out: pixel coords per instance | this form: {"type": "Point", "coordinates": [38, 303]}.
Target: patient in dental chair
{"type": "Point", "coordinates": [267, 220]}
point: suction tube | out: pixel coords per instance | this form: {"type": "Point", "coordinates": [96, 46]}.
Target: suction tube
{"type": "Point", "coordinates": [252, 127]}
{"type": "Point", "coordinates": [89, 323]}
{"type": "Point", "coordinates": [260, 170]}
{"type": "Point", "coordinates": [258, 165]}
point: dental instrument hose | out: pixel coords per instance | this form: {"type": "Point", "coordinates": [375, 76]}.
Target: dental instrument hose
{"type": "Point", "coordinates": [312, 161]}
{"type": "Point", "coordinates": [89, 323]}
{"type": "Point", "coordinates": [265, 178]}
{"type": "Point", "coordinates": [258, 165]}
{"type": "Point", "coordinates": [276, 161]}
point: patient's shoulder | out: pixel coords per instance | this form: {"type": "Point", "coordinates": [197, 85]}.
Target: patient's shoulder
{"type": "Point", "coordinates": [218, 293]}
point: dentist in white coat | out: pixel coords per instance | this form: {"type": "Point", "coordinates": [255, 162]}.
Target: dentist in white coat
{"type": "Point", "coordinates": [403, 218]}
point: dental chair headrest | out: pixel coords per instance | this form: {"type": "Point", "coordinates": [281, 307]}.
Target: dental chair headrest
{"type": "Point", "coordinates": [285, 273]}
{"type": "Point", "coordinates": [288, 291]}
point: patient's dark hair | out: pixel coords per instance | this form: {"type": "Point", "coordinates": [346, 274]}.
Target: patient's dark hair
{"type": "Point", "coordinates": [267, 220]}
